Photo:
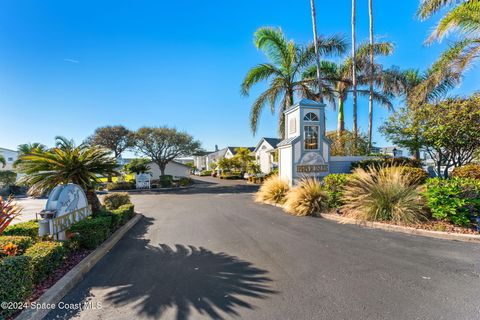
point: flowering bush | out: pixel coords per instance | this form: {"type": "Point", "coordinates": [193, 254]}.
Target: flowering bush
{"type": "Point", "coordinates": [10, 249]}
{"type": "Point", "coordinates": [8, 211]}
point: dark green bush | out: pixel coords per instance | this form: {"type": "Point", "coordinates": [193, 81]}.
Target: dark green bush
{"type": "Point", "coordinates": [184, 181]}
{"type": "Point", "coordinates": [455, 200]}
{"type": "Point", "coordinates": [45, 257]}
{"type": "Point", "coordinates": [333, 185]}
{"type": "Point", "coordinates": [29, 229]}
{"type": "Point", "coordinates": [230, 176]}
{"type": "Point", "coordinates": [22, 242]}
{"type": "Point", "coordinates": [115, 200]}
{"type": "Point", "coordinates": [206, 173]}
{"type": "Point", "coordinates": [378, 163]}
{"type": "Point", "coordinates": [468, 171]}
{"type": "Point", "coordinates": [91, 232]}
{"type": "Point", "coordinates": [166, 181]}
{"type": "Point", "coordinates": [124, 213]}
{"type": "Point", "coordinates": [7, 178]}
{"type": "Point", "coordinates": [120, 186]}
{"type": "Point", "coordinates": [16, 282]}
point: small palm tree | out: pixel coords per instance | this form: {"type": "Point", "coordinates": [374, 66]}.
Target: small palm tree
{"type": "Point", "coordinates": [80, 165]}
{"type": "Point", "coordinates": [28, 148]}
{"type": "Point", "coordinates": [244, 157]}
{"type": "Point", "coordinates": [287, 62]}
{"type": "Point", "coordinates": [3, 161]}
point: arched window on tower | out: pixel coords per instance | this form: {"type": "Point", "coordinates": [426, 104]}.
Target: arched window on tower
{"type": "Point", "coordinates": [310, 117]}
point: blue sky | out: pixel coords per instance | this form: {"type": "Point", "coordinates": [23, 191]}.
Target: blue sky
{"type": "Point", "coordinates": [67, 67]}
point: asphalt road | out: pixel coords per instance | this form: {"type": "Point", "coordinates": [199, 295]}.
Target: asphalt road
{"type": "Point", "coordinates": [212, 253]}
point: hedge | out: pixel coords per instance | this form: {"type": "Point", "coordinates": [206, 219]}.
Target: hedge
{"type": "Point", "coordinates": [92, 231]}
{"type": "Point", "coordinates": [22, 242]}
{"type": "Point", "coordinates": [29, 229]}
{"type": "Point", "coordinates": [468, 171]}
{"type": "Point", "coordinates": [115, 200]}
{"type": "Point", "coordinates": [378, 163]}
{"type": "Point", "coordinates": [16, 281]}
{"type": "Point", "coordinates": [45, 257]}
{"type": "Point", "coordinates": [120, 186]}
{"type": "Point", "coordinates": [455, 200]}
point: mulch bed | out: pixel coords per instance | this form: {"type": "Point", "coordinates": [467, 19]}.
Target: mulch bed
{"type": "Point", "coordinates": [72, 260]}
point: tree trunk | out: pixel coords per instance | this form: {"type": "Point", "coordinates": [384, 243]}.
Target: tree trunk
{"type": "Point", "coordinates": [93, 200]}
{"type": "Point", "coordinates": [341, 117]}
{"type": "Point", "coordinates": [354, 70]}
{"type": "Point", "coordinates": [370, 102]}
{"type": "Point", "coordinates": [162, 169]}
{"type": "Point", "coordinates": [317, 54]}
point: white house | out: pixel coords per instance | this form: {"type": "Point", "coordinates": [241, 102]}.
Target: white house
{"type": "Point", "coordinates": [205, 160]}
{"type": "Point", "coordinates": [265, 154]}
{"type": "Point", "coordinates": [305, 151]}
{"type": "Point", "coordinates": [173, 168]}
{"type": "Point", "coordinates": [10, 156]}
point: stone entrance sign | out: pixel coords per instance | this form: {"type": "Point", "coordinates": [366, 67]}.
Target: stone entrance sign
{"type": "Point", "coordinates": [305, 152]}
{"type": "Point", "coordinates": [66, 205]}
{"type": "Point", "coordinates": [142, 181]}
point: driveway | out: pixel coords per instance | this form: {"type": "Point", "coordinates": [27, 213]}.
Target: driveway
{"type": "Point", "coordinates": [212, 253]}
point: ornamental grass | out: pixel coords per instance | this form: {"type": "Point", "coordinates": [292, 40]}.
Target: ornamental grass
{"type": "Point", "coordinates": [306, 199]}
{"type": "Point", "coordinates": [384, 195]}
{"type": "Point", "coordinates": [273, 189]}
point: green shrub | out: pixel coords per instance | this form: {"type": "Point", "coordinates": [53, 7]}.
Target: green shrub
{"type": "Point", "coordinates": [378, 163]}
{"type": "Point", "coordinates": [121, 215]}
{"type": "Point", "coordinates": [383, 195]}
{"type": "Point", "coordinates": [7, 178]}
{"type": "Point", "coordinates": [115, 200]}
{"type": "Point", "coordinates": [468, 171]}
{"type": "Point", "coordinates": [91, 232]}
{"type": "Point", "coordinates": [184, 181]}
{"type": "Point", "coordinates": [120, 186]}
{"type": "Point", "coordinates": [16, 282]}
{"type": "Point", "coordinates": [333, 185]}
{"type": "Point", "coordinates": [29, 229]}
{"type": "Point", "coordinates": [166, 181]}
{"type": "Point", "coordinates": [45, 257]}
{"type": "Point", "coordinates": [274, 189]}
{"type": "Point", "coordinates": [206, 173]}
{"type": "Point", "coordinates": [455, 200]}
{"type": "Point", "coordinates": [306, 199]}
{"type": "Point", "coordinates": [230, 176]}
{"type": "Point", "coordinates": [22, 242]}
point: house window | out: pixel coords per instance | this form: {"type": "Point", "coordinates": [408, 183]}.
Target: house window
{"type": "Point", "coordinates": [292, 126]}
{"type": "Point", "coordinates": [310, 117]}
{"type": "Point", "coordinates": [10, 159]}
{"type": "Point", "coordinates": [311, 137]}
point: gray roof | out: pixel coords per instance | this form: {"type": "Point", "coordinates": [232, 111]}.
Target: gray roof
{"type": "Point", "coordinates": [233, 150]}
{"type": "Point", "coordinates": [287, 142]}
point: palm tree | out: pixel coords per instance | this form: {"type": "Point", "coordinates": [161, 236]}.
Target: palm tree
{"type": "Point", "coordinates": [354, 67]}
{"type": "Point", "coordinates": [317, 56]}
{"type": "Point", "coordinates": [372, 62]}
{"type": "Point", "coordinates": [463, 16]}
{"type": "Point", "coordinates": [3, 161]}
{"type": "Point", "coordinates": [80, 165]}
{"type": "Point", "coordinates": [244, 157]}
{"type": "Point", "coordinates": [27, 148]}
{"type": "Point", "coordinates": [287, 61]}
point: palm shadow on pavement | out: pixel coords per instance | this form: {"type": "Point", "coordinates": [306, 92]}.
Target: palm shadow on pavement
{"type": "Point", "coordinates": [154, 279]}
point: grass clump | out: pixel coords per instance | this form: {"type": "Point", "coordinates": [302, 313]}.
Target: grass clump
{"type": "Point", "coordinates": [273, 189]}
{"type": "Point", "coordinates": [384, 195]}
{"type": "Point", "coordinates": [306, 199]}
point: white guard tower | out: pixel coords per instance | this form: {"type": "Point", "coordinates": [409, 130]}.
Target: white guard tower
{"type": "Point", "coordinates": [305, 152]}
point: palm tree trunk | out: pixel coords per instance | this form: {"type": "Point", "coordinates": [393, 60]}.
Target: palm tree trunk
{"type": "Point", "coordinates": [370, 100]}
{"type": "Point", "coordinates": [341, 117]}
{"type": "Point", "coordinates": [92, 200]}
{"type": "Point", "coordinates": [317, 54]}
{"type": "Point", "coordinates": [354, 70]}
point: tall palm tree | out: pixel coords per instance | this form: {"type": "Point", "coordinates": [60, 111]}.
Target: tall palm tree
{"type": "Point", "coordinates": [354, 67]}
{"type": "Point", "coordinates": [462, 16]}
{"type": "Point", "coordinates": [287, 62]}
{"type": "Point", "coordinates": [315, 37]}
{"type": "Point", "coordinates": [80, 165]}
{"type": "Point", "coordinates": [372, 61]}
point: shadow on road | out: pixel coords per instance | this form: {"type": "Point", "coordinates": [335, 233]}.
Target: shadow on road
{"type": "Point", "coordinates": [183, 277]}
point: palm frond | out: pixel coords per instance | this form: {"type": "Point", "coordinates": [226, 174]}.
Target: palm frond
{"type": "Point", "coordinates": [429, 7]}
{"type": "Point", "coordinates": [257, 74]}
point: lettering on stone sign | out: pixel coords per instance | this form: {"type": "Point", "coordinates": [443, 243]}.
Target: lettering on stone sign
{"type": "Point", "coordinates": [312, 168]}
{"type": "Point", "coordinates": [62, 223]}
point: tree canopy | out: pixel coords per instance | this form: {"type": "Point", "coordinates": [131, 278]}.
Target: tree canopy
{"type": "Point", "coordinates": [114, 138]}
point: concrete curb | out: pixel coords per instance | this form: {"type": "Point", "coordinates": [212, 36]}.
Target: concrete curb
{"type": "Point", "coordinates": [74, 276]}
{"type": "Point", "coordinates": [150, 191]}
{"type": "Point", "coordinates": [403, 229]}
